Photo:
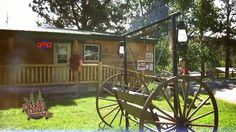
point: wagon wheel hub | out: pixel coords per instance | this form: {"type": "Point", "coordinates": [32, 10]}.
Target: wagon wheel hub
{"type": "Point", "coordinates": [182, 124]}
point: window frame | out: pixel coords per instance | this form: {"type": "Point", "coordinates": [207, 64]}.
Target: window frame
{"type": "Point", "coordinates": [98, 52]}
{"type": "Point", "coordinates": [55, 52]}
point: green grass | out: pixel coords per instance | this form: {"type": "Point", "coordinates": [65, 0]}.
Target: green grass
{"type": "Point", "coordinates": [81, 114]}
{"type": "Point", "coordinates": [227, 116]}
{"type": "Point", "coordinates": [67, 115]}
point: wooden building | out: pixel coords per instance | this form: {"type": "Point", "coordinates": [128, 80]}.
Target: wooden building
{"type": "Point", "coordinates": [40, 56]}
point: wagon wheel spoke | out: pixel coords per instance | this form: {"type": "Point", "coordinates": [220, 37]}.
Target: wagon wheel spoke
{"type": "Point", "coordinates": [167, 116]}
{"type": "Point", "coordinates": [107, 99]}
{"type": "Point", "coordinates": [106, 106]}
{"type": "Point", "coordinates": [168, 101]}
{"type": "Point", "coordinates": [171, 128]}
{"type": "Point", "coordinates": [200, 106]}
{"type": "Point", "coordinates": [110, 112]}
{"type": "Point", "coordinates": [194, 99]}
{"type": "Point", "coordinates": [202, 125]}
{"type": "Point", "coordinates": [134, 84]}
{"type": "Point", "coordinates": [185, 95]}
{"type": "Point", "coordinates": [114, 117]}
{"type": "Point", "coordinates": [121, 117]}
{"type": "Point", "coordinates": [108, 91]}
{"type": "Point", "coordinates": [201, 116]}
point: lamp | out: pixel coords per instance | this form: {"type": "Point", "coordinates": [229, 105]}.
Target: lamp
{"type": "Point", "coordinates": [121, 49]}
{"type": "Point", "coordinates": [182, 36]}
{"type": "Point", "coordinates": [182, 33]}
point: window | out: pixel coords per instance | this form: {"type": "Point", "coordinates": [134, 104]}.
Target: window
{"type": "Point", "coordinates": [62, 52]}
{"type": "Point", "coordinates": [91, 52]}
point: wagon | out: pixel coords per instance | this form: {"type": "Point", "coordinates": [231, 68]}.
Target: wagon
{"type": "Point", "coordinates": [190, 106]}
{"type": "Point", "coordinates": [177, 103]}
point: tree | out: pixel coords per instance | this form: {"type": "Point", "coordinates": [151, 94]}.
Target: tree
{"type": "Point", "coordinates": [227, 28]}
{"type": "Point", "coordinates": [162, 55]}
{"type": "Point", "coordinates": [204, 10]}
{"type": "Point", "coordinates": [92, 15]}
{"type": "Point", "coordinates": [195, 13]}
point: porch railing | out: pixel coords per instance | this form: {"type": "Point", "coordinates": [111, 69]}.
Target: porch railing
{"type": "Point", "coordinates": [51, 74]}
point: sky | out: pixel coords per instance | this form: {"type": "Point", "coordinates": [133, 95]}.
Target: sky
{"type": "Point", "coordinates": [19, 13]}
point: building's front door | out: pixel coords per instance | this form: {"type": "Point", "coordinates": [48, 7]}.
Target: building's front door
{"type": "Point", "coordinates": [62, 53]}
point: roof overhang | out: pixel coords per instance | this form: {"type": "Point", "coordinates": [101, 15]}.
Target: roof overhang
{"type": "Point", "coordinates": [64, 34]}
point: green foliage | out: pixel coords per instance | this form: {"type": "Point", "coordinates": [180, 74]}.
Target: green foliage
{"type": "Point", "coordinates": [210, 53]}
{"type": "Point", "coordinates": [40, 98]}
{"type": "Point", "coordinates": [201, 17]}
{"type": "Point", "coordinates": [227, 18]}
{"type": "Point", "coordinates": [93, 15]}
{"type": "Point", "coordinates": [193, 55]}
{"type": "Point", "coordinates": [180, 4]}
{"type": "Point", "coordinates": [205, 10]}
{"type": "Point", "coordinates": [31, 98]}
{"type": "Point", "coordinates": [162, 55]}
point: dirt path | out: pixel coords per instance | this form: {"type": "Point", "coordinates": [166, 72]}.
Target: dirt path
{"type": "Point", "coordinates": [227, 95]}
{"type": "Point", "coordinates": [224, 89]}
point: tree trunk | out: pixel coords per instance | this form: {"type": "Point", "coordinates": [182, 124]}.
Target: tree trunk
{"type": "Point", "coordinates": [227, 47]}
{"type": "Point", "coordinates": [227, 58]}
{"type": "Point", "coordinates": [203, 56]}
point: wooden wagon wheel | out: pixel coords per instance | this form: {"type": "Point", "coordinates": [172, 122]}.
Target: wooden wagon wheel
{"type": "Point", "coordinates": [192, 108]}
{"type": "Point", "coordinates": [106, 103]}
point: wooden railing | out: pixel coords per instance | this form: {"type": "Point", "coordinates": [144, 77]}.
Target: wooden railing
{"type": "Point", "coordinates": [50, 74]}
{"type": "Point", "coordinates": [35, 74]}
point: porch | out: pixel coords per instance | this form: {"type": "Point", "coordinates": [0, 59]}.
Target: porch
{"type": "Point", "coordinates": [53, 74]}
{"type": "Point", "coordinates": [54, 80]}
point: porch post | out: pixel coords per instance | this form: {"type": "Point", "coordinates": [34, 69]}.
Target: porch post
{"type": "Point", "coordinates": [99, 74]}
{"type": "Point", "coordinates": [12, 61]}
{"type": "Point", "coordinates": [75, 49]}
{"type": "Point", "coordinates": [75, 46]}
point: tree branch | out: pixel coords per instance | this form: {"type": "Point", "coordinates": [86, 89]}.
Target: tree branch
{"type": "Point", "coordinates": [78, 6]}
{"type": "Point", "coordinates": [106, 2]}
{"type": "Point", "coordinates": [75, 15]}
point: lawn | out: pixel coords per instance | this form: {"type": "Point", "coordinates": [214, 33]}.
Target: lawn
{"type": "Point", "coordinates": [81, 114]}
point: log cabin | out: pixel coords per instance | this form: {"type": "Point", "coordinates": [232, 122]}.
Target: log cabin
{"type": "Point", "coordinates": [39, 56]}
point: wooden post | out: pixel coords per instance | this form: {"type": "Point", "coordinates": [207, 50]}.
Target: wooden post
{"type": "Point", "coordinates": [174, 45]}
{"type": "Point", "coordinates": [11, 61]}
{"type": "Point", "coordinates": [99, 75]}
{"type": "Point", "coordinates": [175, 59]}
{"type": "Point", "coordinates": [125, 79]}
{"type": "Point", "coordinates": [75, 49]}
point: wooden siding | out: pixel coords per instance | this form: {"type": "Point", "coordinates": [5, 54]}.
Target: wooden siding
{"type": "Point", "coordinates": [109, 52]}
{"type": "Point", "coordinates": [23, 51]}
